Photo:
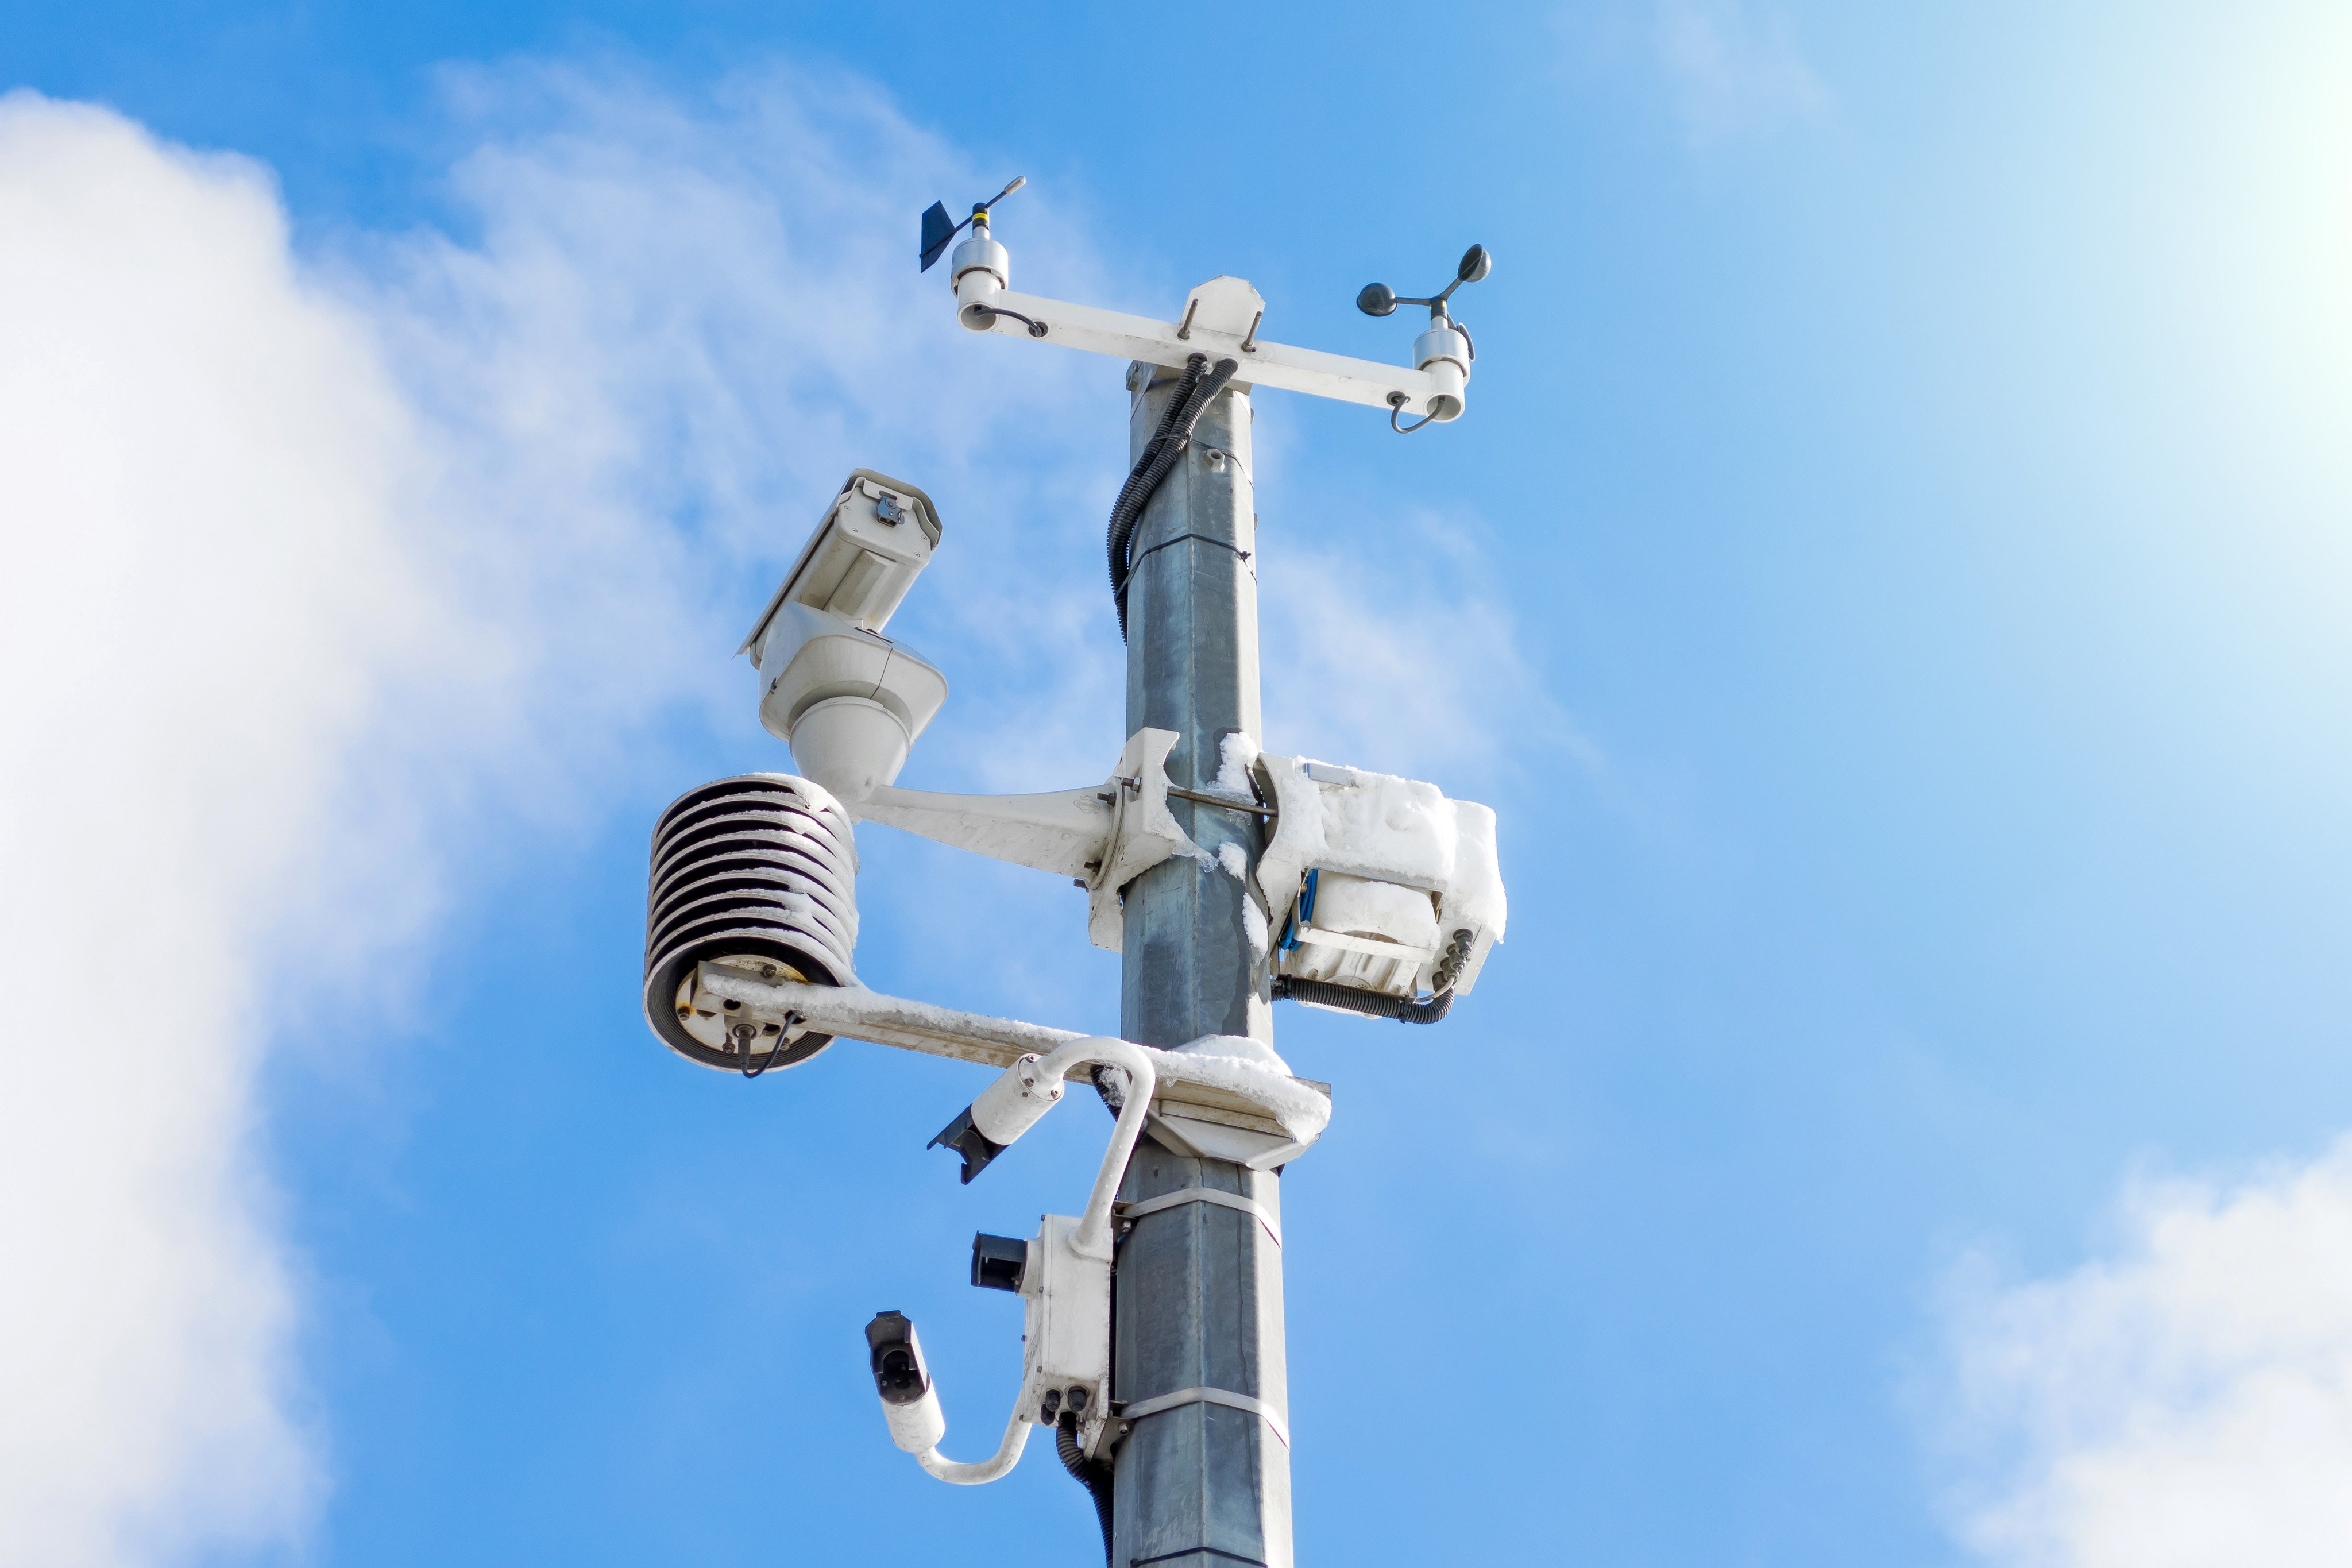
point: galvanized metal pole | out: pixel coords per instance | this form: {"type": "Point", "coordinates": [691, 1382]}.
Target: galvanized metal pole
{"type": "Point", "coordinates": [1198, 1301]}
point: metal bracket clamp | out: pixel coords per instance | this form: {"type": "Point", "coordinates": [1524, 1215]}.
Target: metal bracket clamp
{"type": "Point", "coordinates": [1202, 1195]}
{"type": "Point", "coordinates": [1143, 832]}
{"type": "Point", "coordinates": [1102, 837]}
{"type": "Point", "coordinates": [1183, 1396]}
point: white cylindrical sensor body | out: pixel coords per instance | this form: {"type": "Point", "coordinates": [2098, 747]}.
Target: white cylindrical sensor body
{"type": "Point", "coordinates": [1445, 354]}
{"type": "Point", "coordinates": [919, 1427]}
{"type": "Point", "coordinates": [1013, 1103]}
{"type": "Point", "coordinates": [982, 270]}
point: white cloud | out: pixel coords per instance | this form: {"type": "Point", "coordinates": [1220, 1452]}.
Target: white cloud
{"type": "Point", "coordinates": [2184, 1402]}
{"type": "Point", "coordinates": [1732, 73]}
{"type": "Point", "coordinates": [203, 595]}
{"type": "Point", "coordinates": [320, 580]}
{"type": "Point", "coordinates": [1401, 653]}
{"type": "Point", "coordinates": [674, 333]}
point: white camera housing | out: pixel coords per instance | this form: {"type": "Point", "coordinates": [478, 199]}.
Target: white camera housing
{"type": "Point", "coordinates": [848, 701]}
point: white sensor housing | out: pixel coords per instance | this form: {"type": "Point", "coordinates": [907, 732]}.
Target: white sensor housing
{"type": "Point", "coordinates": [1379, 883]}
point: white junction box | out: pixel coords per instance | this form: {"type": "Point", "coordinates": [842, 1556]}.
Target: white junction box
{"type": "Point", "coordinates": [1067, 1299]}
{"type": "Point", "coordinates": [1378, 883]}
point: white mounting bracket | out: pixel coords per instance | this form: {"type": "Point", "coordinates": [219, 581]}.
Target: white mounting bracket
{"type": "Point", "coordinates": [1101, 837]}
{"type": "Point", "coordinates": [1221, 319]}
{"type": "Point", "coordinates": [1208, 1098]}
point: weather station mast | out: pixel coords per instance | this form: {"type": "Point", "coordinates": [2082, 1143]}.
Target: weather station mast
{"type": "Point", "coordinates": [1225, 876]}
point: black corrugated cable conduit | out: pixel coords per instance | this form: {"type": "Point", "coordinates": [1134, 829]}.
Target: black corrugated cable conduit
{"type": "Point", "coordinates": [1130, 505]}
{"type": "Point", "coordinates": [1092, 1474]}
{"type": "Point", "coordinates": [1404, 1010]}
{"type": "Point", "coordinates": [1194, 392]}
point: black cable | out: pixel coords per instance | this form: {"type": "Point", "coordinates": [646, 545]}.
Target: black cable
{"type": "Point", "coordinates": [1125, 509]}
{"type": "Point", "coordinates": [1092, 1474]}
{"type": "Point", "coordinates": [783, 1031]}
{"type": "Point", "coordinates": [1179, 441]}
{"type": "Point", "coordinates": [1371, 1003]}
{"type": "Point", "coordinates": [1203, 537]}
{"type": "Point", "coordinates": [1037, 329]}
{"type": "Point", "coordinates": [1420, 424]}
{"type": "Point", "coordinates": [1194, 392]}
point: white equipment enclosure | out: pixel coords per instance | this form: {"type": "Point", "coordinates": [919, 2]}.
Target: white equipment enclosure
{"type": "Point", "coordinates": [1379, 883]}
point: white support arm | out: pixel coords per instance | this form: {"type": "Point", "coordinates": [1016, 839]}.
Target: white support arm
{"type": "Point", "coordinates": [1102, 837]}
{"type": "Point", "coordinates": [1262, 364]}
{"type": "Point", "coordinates": [1093, 1237]}
{"type": "Point", "coordinates": [1066, 832]}
{"type": "Point", "coordinates": [982, 1471]}
{"type": "Point", "coordinates": [1208, 1087]}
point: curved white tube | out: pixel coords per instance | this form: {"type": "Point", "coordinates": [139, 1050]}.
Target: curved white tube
{"type": "Point", "coordinates": [1092, 1239]}
{"type": "Point", "coordinates": [1008, 1454]}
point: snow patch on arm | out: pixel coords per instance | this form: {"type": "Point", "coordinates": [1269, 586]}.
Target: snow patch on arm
{"type": "Point", "coordinates": [1236, 755]}
{"type": "Point", "coordinates": [1250, 1070]}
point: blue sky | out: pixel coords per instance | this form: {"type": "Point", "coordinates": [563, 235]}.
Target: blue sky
{"type": "Point", "coordinates": [1893, 583]}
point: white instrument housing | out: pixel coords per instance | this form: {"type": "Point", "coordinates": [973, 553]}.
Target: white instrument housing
{"type": "Point", "coordinates": [1369, 879]}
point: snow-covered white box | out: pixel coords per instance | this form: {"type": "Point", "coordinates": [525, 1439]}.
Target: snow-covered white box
{"type": "Point", "coordinates": [1377, 882]}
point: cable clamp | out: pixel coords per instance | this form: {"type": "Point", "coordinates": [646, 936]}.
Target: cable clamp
{"type": "Point", "coordinates": [1232, 1401]}
{"type": "Point", "coordinates": [1135, 565]}
{"type": "Point", "coordinates": [1203, 1196]}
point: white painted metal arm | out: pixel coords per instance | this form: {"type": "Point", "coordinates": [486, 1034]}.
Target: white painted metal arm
{"type": "Point", "coordinates": [1102, 837]}
{"type": "Point", "coordinates": [1093, 1237]}
{"type": "Point", "coordinates": [1241, 1093]}
{"type": "Point", "coordinates": [1262, 364]}
{"type": "Point", "coordinates": [1066, 832]}
{"type": "Point", "coordinates": [978, 1472]}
